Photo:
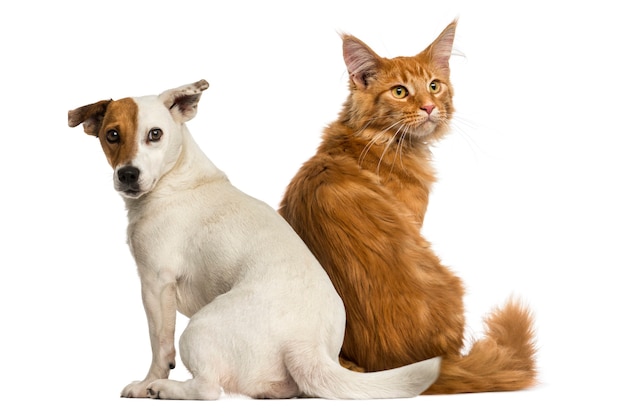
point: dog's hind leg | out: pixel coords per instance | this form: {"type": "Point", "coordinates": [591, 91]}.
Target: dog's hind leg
{"type": "Point", "coordinates": [192, 389]}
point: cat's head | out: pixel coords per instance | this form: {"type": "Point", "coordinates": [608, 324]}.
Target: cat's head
{"type": "Point", "coordinates": [407, 98]}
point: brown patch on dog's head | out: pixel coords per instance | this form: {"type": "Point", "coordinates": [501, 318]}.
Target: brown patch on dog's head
{"type": "Point", "coordinates": [118, 132]}
{"type": "Point", "coordinates": [114, 123]}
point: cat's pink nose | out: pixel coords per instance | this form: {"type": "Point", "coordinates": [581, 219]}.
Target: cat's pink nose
{"type": "Point", "coordinates": [428, 108]}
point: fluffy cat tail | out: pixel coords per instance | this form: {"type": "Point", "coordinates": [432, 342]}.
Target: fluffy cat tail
{"type": "Point", "coordinates": [317, 375]}
{"type": "Point", "coordinates": [504, 360]}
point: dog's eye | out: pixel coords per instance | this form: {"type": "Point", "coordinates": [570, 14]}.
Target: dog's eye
{"type": "Point", "coordinates": [113, 136]}
{"type": "Point", "coordinates": [155, 135]}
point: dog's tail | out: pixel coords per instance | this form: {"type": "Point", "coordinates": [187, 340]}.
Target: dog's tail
{"type": "Point", "coordinates": [504, 360]}
{"type": "Point", "coordinates": [318, 375]}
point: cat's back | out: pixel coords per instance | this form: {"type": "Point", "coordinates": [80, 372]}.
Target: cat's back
{"type": "Point", "coordinates": [335, 168]}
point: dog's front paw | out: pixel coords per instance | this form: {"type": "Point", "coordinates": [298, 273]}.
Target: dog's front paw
{"type": "Point", "coordinates": [158, 389]}
{"type": "Point", "coordinates": [183, 390]}
{"type": "Point", "coordinates": [136, 389]}
{"type": "Point", "coordinates": [153, 394]}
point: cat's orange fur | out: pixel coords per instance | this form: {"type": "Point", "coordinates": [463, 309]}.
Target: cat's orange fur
{"type": "Point", "coordinates": [359, 204]}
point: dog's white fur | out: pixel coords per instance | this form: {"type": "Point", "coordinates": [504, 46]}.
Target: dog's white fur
{"type": "Point", "coordinates": [266, 321]}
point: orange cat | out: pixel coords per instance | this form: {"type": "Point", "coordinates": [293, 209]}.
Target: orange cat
{"type": "Point", "coordinates": [359, 204]}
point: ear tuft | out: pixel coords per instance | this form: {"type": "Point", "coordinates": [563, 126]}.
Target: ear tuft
{"type": "Point", "coordinates": [361, 61]}
{"type": "Point", "coordinates": [183, 101]}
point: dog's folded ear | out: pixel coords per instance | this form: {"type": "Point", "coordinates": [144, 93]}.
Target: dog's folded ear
{"type": "Point", "coordinates": [183, 101]}
{"type": "Point", "coordinates": [90, 116]}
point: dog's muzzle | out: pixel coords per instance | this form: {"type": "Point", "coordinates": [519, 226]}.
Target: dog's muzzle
{"type": "Point", "coordinates": [128, 181]}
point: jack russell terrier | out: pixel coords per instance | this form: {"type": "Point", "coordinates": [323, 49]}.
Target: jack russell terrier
{"type": "Point", "coordinates": [265, 319]}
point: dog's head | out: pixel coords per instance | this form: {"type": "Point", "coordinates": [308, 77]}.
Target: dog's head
{"type": "Point", "coordinates": [141, 137]}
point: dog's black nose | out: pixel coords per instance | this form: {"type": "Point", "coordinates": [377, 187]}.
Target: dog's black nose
{"type": "Point", "coordinates": [128, 175]}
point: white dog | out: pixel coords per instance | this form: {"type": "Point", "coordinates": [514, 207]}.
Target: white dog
{"type": "Point", "coordinates": [266, 321]}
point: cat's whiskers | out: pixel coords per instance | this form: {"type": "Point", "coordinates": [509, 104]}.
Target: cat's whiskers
{"type": "Point", "coordinates": [406, 129]}
{"type": "Point", "coordinates": [367, 124]}
{"type": "Point", "coordinates": [366, 149]}
{"type": "Point", "coordinates": [384, 152]}
{"type": "Point", "coordinates": [460, 124]}
{"type": "Point", "coordinates": [379, 132]}
{"type": "Point", "coordinates": [403, 130]}
{"type": "Point", "coordinates": [375, 139]}
{"type": "Point", "coordinates": [370, 143]}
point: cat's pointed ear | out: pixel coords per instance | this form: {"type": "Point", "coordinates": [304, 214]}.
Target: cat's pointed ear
{"type": "Point", "coordinates": [361, 61]}
{"type": "Point", "coordinates": [440, 50]}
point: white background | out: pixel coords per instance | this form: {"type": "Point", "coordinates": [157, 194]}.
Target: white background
{"type": "Point", "coordinates": [530, 198]}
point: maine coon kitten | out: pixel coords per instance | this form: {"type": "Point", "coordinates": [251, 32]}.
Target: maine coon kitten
{"type": "Point", "coordinates": [359, 204]}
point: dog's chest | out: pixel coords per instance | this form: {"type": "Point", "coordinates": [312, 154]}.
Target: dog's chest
{"type": "Point", "coordinates": [186, 238]}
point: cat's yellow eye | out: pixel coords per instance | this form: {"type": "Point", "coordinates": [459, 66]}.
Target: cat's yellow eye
{"type": "Point", "coordinates": [435, 86]}
{"type": "Point", "coordinates": [399, 92]}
